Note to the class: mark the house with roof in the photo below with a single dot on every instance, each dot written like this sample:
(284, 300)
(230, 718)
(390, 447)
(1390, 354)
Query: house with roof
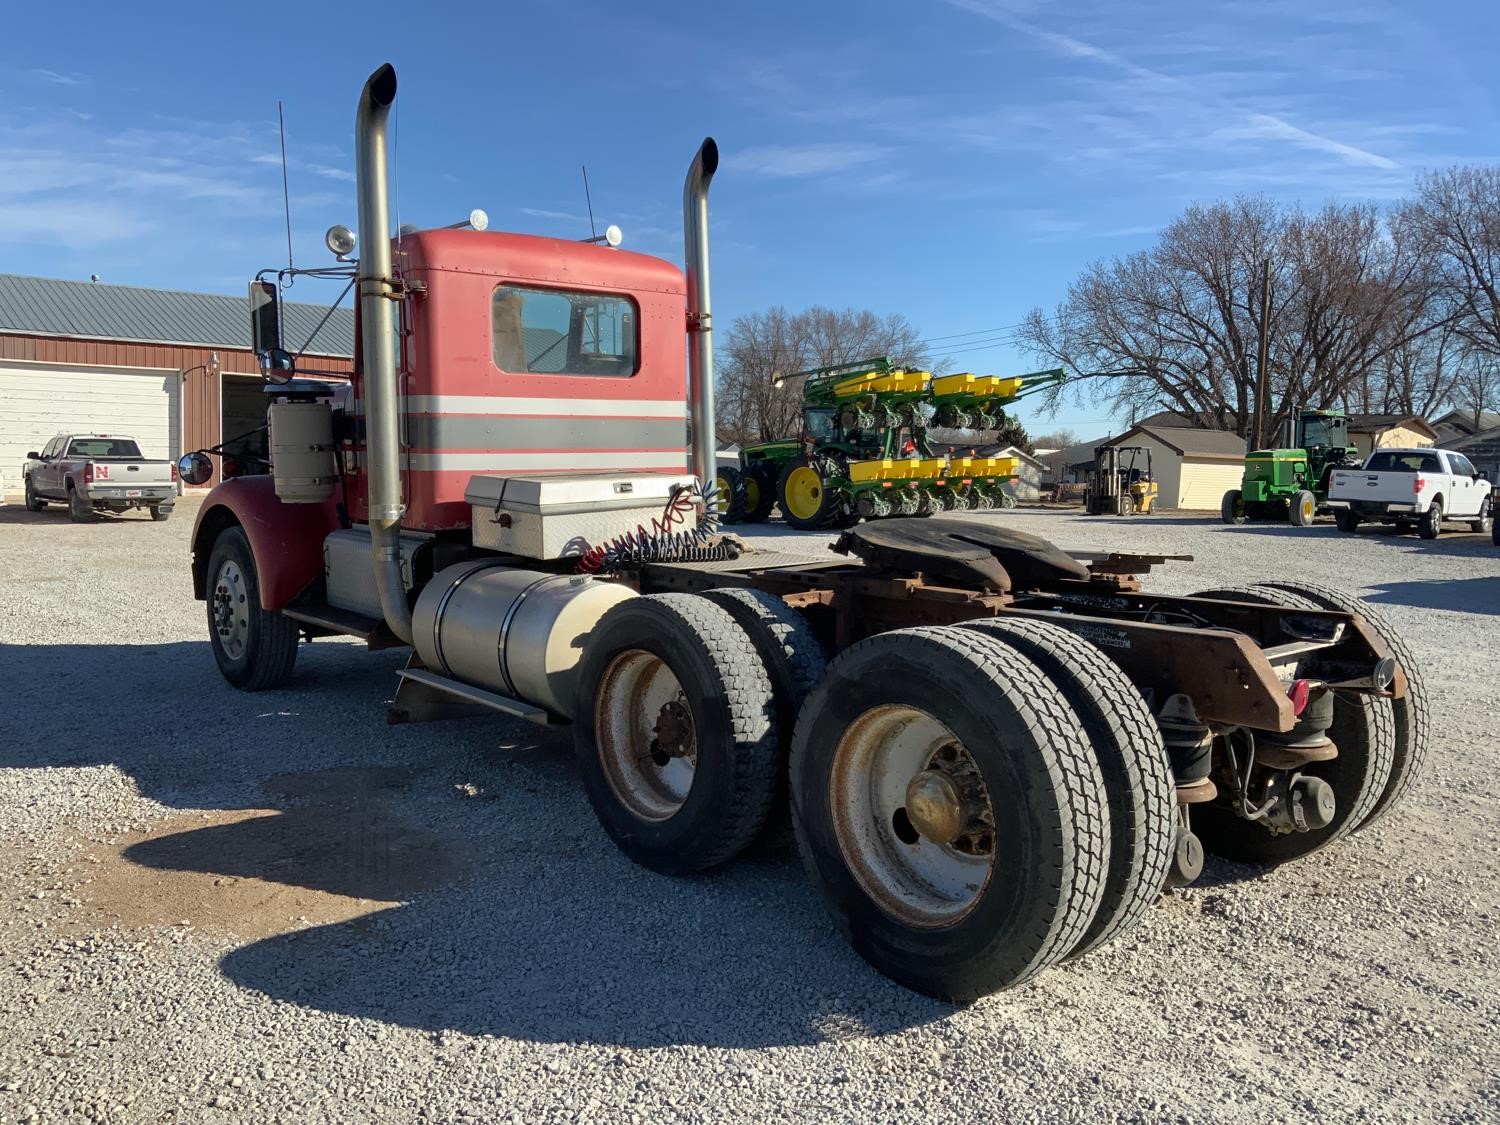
(1192, 467)
(1456, 425)
(173, 369)
(1370, 432)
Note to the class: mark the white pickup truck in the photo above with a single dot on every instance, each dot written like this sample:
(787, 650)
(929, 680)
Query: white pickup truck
(94, 472)
(1412, 488)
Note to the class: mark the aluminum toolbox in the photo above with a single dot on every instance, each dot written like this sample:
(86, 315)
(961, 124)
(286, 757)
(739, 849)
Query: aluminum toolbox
(551, 517)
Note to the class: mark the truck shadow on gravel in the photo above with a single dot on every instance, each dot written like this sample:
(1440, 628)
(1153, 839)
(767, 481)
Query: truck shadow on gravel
(436, 876)
(1461, 595)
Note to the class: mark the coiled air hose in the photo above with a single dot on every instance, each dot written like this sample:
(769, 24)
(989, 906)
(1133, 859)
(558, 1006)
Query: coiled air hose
(659, 542)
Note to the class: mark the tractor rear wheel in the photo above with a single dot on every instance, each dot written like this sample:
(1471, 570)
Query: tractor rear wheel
(1132, 761)
(675, 733)
(254, 648)
(806, 502)
(1231, 509)
(1304, 508)
(1412, 712)
(760, 491)
(949, 810)
(1363, 732)
(729, 494)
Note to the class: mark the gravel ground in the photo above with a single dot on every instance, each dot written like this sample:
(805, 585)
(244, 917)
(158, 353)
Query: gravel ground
(231, 907)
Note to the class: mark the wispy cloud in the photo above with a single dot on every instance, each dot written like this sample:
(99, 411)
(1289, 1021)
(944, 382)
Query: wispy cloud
(56, 77)
(1269, 125)
(800, 161)
(561, 216)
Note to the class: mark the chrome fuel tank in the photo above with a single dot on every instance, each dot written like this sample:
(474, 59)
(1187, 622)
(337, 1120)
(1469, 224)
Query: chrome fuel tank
(516, 632)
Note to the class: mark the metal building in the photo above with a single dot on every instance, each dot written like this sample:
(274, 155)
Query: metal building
(80, 356)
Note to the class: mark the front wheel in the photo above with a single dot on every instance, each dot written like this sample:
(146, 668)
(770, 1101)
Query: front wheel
(1304, 508)
(1231, 508)
(34, 503)
(254, 648)
(1430, 526)
(1485, 524)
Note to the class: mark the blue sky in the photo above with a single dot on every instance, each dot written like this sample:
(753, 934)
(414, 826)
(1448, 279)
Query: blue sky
(958, 161)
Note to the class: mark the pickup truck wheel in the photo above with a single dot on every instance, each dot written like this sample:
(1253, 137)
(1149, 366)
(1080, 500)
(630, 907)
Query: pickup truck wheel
(79, 508)
(160, 514)
(34, 503)
(1485, 524)
(1430, 526)
(254, 648)
(1304, 508)
(1348, 520)
(959, 839)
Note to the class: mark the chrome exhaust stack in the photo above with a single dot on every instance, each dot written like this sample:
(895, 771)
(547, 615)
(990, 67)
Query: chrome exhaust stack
(699, 316)
(377, 297)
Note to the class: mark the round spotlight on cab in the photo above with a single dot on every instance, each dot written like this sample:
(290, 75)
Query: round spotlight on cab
(479, 220)
(339, 240)
(613, 235)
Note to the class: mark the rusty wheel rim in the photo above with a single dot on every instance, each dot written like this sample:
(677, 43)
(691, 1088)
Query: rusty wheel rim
(646, 735)
(913, 818)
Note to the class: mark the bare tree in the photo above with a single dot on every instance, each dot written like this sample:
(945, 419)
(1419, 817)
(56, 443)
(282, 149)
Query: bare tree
(1059, 438)
(1176, 327)
(760, 346)
(1456, 213)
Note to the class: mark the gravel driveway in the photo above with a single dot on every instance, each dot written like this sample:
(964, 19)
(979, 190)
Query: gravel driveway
(222, 906)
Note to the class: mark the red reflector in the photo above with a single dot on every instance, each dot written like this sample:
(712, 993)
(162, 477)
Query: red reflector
(174, 471)
(1299, 692)
(230, 468)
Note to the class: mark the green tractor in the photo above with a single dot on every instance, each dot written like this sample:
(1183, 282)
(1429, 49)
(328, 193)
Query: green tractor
(1292, 483)
(863, 452)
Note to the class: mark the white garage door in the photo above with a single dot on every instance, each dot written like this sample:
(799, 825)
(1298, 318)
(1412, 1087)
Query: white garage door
(38, 401)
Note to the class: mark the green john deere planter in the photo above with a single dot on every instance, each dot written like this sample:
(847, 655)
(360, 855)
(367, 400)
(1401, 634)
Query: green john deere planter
(863, 452)
(1292, 483)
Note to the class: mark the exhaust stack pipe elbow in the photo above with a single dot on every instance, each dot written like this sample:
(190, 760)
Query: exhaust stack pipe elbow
(699, 312)
(377, 297)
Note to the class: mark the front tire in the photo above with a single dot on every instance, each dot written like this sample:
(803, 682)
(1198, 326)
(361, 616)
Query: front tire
(675, 733)
(959, 838)
(33, 502)
(1303, 509)
(255, 648)
(1231, 508)
(1430, 526)
(1485, 524)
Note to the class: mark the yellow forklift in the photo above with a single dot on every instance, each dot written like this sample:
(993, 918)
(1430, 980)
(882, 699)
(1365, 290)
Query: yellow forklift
(1121, 483)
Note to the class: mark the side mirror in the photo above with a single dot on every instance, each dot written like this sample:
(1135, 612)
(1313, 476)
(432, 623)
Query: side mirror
(265, 316)
(276, 365)
(33, 456)
(195, 468)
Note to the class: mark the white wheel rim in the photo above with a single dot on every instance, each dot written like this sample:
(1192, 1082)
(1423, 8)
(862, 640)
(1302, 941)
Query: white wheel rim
(231, 609)
(646, 734)
(924, 882)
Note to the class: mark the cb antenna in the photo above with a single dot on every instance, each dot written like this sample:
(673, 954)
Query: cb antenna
(286, 194)
(587, 198)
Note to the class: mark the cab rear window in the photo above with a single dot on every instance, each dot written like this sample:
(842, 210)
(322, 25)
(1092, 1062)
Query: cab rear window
(104, 447)
(564, 332)
(1404, 463)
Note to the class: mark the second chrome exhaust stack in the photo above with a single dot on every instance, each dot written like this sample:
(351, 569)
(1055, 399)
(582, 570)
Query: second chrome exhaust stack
(699, 314)
(377, 311)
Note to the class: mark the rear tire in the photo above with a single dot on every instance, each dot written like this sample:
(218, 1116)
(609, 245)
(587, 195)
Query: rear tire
(254, 648)
(675, 733)
(160, 514)
(1485, 524)
(1364, 732)
(939, 917)
(1231, 508)
(1132, 761)
(1413, 715)
(33, 502)
(760, 491)
(1430, 525)
(79, 509)
(1348, 520)
(1304, 508)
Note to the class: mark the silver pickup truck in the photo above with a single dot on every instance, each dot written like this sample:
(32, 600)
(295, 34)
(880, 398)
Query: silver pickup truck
(98, 472)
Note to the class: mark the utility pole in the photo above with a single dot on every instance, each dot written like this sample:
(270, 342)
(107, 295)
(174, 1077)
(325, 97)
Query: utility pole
(1265, 347)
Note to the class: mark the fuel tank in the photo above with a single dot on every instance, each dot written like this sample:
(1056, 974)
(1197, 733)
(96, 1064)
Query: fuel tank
(516, 632)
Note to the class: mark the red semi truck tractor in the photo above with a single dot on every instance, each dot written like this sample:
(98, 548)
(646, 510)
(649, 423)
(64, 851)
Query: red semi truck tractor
(994, 754)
